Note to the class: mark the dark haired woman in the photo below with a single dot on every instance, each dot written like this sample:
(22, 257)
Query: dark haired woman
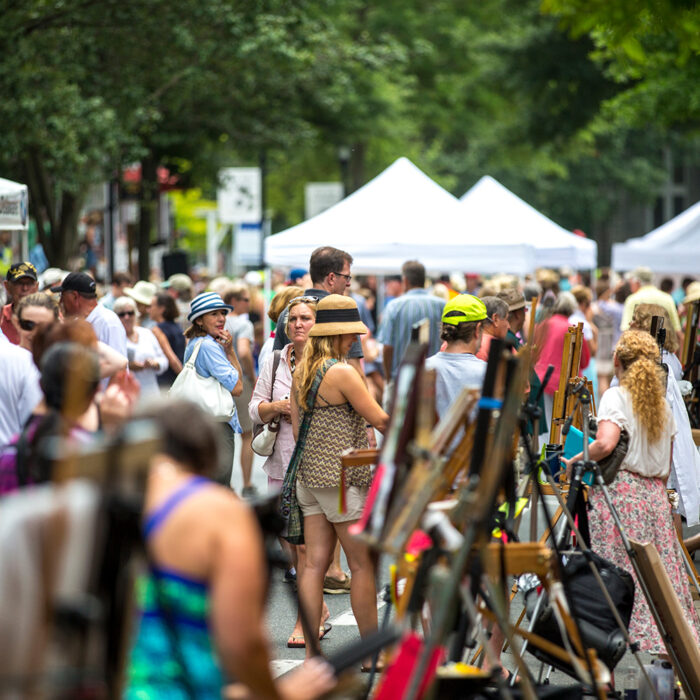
(457, 365)
(201, 605)
(32, 312)
(169, 336)
(215, 358)
(70, 376)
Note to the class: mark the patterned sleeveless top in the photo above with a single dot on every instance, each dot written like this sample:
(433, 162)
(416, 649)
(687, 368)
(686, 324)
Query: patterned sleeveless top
(333, 430)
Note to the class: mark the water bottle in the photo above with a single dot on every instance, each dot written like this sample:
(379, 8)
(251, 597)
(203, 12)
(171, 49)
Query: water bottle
(631, 684)
(661, 675)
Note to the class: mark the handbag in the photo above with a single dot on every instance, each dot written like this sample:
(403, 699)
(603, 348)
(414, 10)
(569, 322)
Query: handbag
(265, 434)
(590, 608)
(290, 509)
(207, 392)
(610, 465)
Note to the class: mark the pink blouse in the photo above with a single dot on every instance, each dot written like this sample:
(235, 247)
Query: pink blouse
(276, 464)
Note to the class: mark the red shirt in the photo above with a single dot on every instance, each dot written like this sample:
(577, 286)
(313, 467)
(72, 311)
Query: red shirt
(8, 328)
(550, 339)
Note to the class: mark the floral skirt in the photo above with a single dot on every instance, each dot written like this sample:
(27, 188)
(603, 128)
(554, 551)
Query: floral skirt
(645, 512)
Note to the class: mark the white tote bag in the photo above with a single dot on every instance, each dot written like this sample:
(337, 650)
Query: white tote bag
(208, 393)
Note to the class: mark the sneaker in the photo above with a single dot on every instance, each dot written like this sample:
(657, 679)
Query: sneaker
(290, 576)
(249, 492)
(335, 586)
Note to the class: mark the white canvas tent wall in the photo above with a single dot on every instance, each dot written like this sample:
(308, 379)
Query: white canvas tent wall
(14, 201)
(492, 210)
(400, 215)
(672, 248)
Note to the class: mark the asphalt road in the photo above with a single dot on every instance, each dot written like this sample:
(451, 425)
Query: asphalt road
(281, 615)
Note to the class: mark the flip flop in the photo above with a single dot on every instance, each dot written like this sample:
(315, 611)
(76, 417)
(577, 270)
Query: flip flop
(296, 641)
(323, 631)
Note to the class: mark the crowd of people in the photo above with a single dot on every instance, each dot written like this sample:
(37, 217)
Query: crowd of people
(315, 363)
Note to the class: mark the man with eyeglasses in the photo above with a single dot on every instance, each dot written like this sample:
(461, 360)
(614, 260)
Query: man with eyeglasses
(329, 269)
(21, 281)
(79, 300)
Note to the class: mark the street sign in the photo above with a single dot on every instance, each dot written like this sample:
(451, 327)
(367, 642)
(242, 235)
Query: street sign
(320, 196)
(239, 196)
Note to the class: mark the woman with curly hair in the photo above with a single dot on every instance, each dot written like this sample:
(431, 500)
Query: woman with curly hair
(638, 492)
(685, 465)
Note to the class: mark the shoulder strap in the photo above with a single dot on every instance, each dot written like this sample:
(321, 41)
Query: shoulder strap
(194, 354)
(275, 365)
(320, 374)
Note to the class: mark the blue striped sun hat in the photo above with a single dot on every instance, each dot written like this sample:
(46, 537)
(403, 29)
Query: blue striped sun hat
(204, 303)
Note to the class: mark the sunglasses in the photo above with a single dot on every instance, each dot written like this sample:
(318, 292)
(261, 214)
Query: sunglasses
(121, 314)
(303, 300)
(27, 325)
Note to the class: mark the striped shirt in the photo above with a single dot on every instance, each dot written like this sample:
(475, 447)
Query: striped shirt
(400, 316)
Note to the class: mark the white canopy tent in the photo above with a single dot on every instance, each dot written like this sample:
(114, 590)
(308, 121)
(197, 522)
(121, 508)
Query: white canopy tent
(14, 203)
(492, 210)
(400, 215)
(672, 248)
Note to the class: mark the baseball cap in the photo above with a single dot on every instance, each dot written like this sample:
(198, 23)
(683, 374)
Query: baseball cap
(179, 281)
(513, 298)
(463, 308)
(20, 270)
(77, 282)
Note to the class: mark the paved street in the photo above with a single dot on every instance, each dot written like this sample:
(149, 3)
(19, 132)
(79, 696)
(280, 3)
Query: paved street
(282, 613)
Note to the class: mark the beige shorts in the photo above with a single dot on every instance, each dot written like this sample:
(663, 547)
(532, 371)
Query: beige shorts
(324, 501)
(242, 402)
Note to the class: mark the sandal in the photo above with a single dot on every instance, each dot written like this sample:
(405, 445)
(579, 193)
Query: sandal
(297, 641)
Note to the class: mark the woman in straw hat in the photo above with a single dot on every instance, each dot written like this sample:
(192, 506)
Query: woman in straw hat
(330, 411)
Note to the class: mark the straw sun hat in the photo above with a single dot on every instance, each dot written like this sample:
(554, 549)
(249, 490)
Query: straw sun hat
(336, 315)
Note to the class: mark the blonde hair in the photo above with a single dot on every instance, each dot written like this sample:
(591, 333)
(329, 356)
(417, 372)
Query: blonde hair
(641, 320)
(280, 300)
(295, 302)
(638, 355)
(317, 350)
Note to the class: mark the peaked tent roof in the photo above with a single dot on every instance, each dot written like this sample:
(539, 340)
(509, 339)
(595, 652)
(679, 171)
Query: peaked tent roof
(493, 210)
(672, 248)
(400, 215)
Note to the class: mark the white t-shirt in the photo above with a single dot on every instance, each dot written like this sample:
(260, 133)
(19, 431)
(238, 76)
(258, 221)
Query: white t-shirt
(644, 458)
(108, 328)
(454, 372)
(19, 389)
(146, 348)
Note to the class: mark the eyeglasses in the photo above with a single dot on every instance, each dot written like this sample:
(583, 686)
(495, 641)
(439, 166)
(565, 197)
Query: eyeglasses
(27, 325)
(347, 277)
(303, 300)
(121, 314)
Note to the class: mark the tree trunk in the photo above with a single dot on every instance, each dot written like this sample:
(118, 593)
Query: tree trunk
(357, 166)
(61, 238)
(149, 195)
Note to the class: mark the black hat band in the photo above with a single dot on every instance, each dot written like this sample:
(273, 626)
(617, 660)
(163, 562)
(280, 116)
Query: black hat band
(337, 315)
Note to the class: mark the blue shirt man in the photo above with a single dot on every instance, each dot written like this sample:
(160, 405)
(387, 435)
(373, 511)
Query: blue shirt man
(405, 311)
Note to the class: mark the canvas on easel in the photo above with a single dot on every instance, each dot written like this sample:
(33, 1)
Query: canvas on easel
(663, 601)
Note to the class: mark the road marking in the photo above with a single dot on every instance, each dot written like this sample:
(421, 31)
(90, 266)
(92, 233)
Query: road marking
(281, 666)
(347, 619)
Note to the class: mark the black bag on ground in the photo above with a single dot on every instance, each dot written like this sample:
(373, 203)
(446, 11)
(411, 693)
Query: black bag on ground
(588, 606)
